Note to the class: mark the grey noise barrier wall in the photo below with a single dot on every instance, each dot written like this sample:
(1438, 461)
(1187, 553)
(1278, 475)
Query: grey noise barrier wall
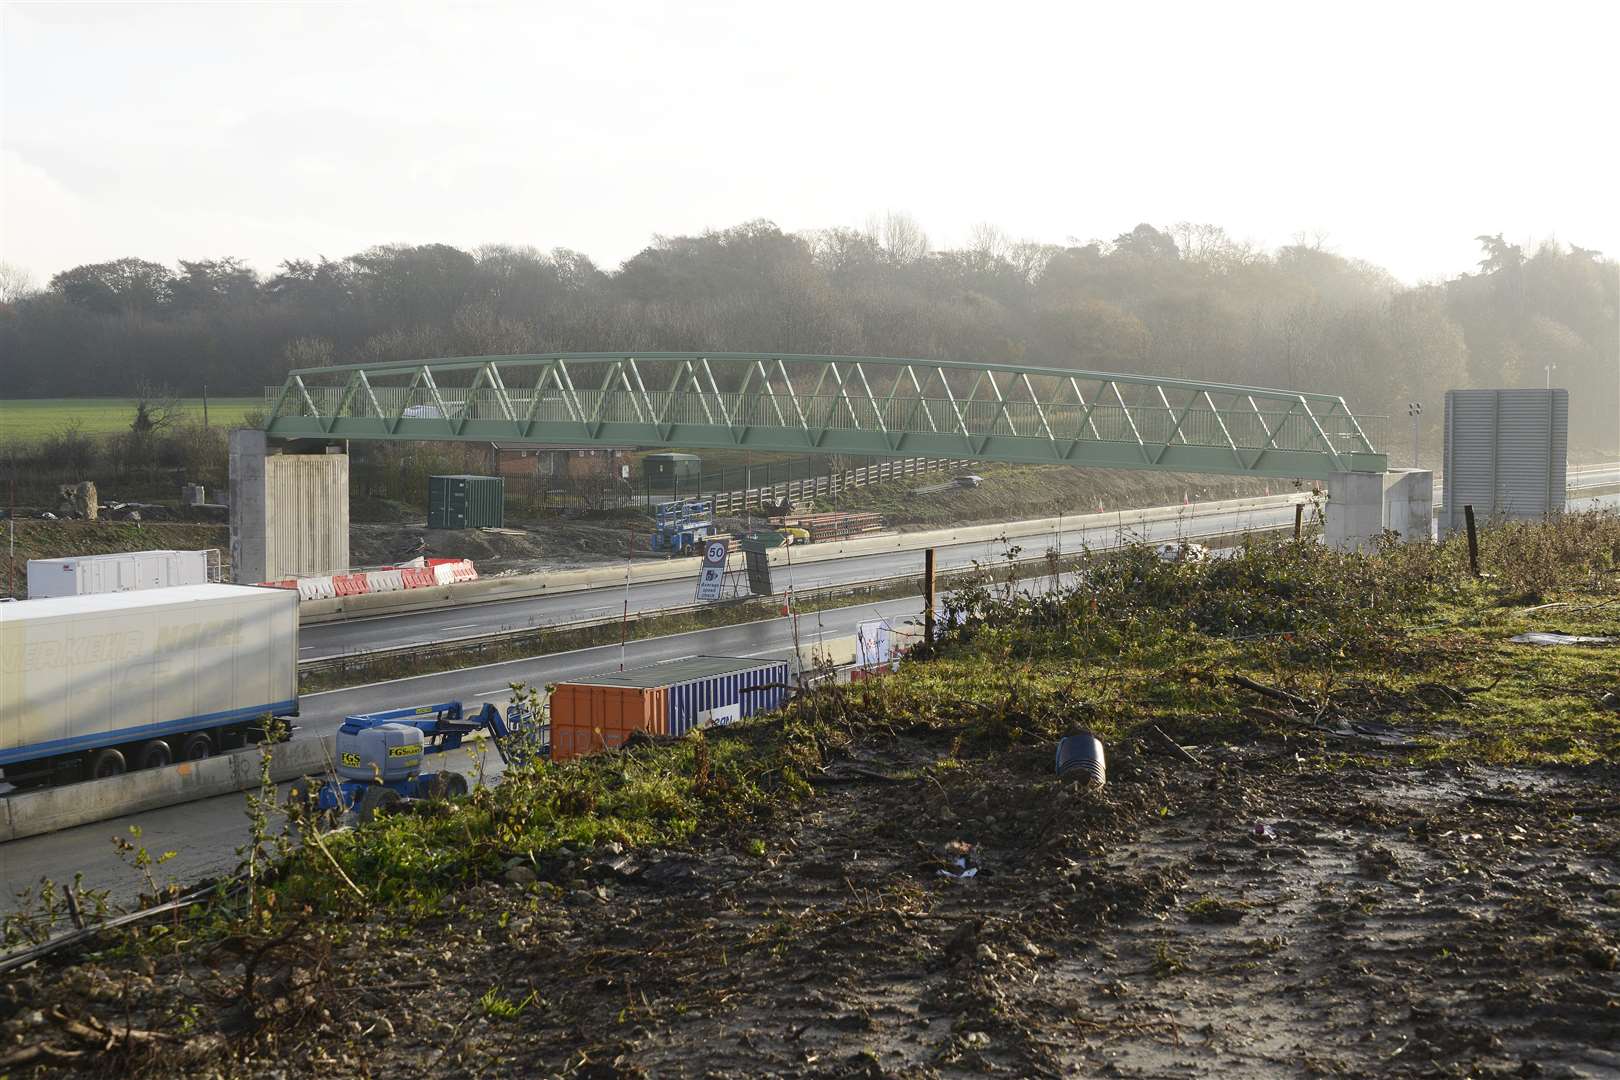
(34, 813)
(1506, 454)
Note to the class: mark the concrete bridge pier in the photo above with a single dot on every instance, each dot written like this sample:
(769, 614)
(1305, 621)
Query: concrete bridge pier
(1361, 506)
(289, 507)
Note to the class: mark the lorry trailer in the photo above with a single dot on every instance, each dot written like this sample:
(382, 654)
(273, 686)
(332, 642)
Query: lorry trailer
(92, 686)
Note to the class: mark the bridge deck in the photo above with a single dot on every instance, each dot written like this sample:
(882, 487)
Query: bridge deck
(831, 404)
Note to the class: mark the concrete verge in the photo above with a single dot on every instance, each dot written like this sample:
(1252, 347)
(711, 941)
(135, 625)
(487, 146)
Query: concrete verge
(520, 586)
(34, 813)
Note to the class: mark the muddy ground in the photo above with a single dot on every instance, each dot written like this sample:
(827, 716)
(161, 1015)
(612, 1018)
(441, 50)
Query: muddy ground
(1270, 910)
(384, 532)
(559, 545)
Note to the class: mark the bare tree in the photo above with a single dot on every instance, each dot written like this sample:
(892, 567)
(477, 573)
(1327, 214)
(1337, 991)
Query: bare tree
(156, 409)
(1312, 240)
(989, 242)
(1029, 258)
(899, 236)
(307, 352)
(15, 283)
(1210, 246)
(71, 448)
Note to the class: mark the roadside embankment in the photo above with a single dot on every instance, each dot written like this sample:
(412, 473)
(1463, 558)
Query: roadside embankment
(1305, 748)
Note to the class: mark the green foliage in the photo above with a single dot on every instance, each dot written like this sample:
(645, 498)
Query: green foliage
(497, 1006)
(660, 795)
(143, 862)
(1131, 600)
(1525, 561)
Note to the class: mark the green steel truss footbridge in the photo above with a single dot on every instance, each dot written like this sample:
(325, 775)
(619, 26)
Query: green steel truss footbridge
(831, 404)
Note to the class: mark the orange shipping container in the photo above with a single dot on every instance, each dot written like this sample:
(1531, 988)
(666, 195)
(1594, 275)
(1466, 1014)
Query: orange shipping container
(585, 719)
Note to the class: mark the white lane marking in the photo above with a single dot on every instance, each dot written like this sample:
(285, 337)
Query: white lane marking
(494, 693)
(306, 648)
(460, 626)
(901, 607)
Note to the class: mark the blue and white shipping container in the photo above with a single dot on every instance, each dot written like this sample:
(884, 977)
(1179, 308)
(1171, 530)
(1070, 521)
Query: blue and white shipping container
(742, 687)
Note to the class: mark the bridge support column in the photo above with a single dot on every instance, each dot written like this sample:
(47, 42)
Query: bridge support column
(289, 508)
(1409, 503)
(1361, 506)
(1355, 510)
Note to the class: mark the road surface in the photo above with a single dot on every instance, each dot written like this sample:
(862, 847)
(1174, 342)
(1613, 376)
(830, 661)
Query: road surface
(427, 627)
(468, 620)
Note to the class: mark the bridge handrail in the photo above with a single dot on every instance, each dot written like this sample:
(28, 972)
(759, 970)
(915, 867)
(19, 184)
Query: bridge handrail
(469, 363)
(794, 401)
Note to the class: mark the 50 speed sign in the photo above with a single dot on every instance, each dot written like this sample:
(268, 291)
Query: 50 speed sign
(713, 573)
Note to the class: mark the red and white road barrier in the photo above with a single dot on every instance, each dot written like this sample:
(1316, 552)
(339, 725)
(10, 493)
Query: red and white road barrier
(446, 571)
(416, 574)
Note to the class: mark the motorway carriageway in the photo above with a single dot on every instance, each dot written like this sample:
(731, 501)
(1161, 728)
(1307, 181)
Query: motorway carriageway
(205, 834)
(605, 603)
(468, 620)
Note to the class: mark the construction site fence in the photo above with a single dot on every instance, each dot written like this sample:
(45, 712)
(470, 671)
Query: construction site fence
(830, 484)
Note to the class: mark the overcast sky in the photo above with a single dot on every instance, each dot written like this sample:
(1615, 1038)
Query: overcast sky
(275, 131)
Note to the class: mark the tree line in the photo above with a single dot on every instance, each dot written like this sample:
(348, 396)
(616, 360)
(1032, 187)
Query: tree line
(1182, 301)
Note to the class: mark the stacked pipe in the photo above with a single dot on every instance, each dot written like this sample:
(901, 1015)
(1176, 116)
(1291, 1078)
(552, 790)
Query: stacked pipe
(837, 525)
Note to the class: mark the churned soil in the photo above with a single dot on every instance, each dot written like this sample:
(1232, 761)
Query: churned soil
(1264, 910)
(560, 545)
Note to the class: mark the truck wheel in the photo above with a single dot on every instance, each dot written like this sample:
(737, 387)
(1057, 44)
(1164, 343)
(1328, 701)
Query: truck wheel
(196, 746)
(153, 754)
(375, 800)
(105, 762)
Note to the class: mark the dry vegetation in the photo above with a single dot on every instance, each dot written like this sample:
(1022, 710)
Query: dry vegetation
(1350, 829)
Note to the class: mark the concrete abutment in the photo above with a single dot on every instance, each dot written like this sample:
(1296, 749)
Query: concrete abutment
(1361, 506)
(289, 508)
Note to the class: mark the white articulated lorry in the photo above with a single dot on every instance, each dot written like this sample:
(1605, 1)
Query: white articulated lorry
(92, 686)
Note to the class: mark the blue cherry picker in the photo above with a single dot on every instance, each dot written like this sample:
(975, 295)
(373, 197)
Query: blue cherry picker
(382, 756)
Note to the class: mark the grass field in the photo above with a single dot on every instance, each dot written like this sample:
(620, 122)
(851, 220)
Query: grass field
(34, 418)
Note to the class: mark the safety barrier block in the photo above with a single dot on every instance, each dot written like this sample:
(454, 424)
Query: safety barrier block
(385, 580)
(316, 588)
(418, 578)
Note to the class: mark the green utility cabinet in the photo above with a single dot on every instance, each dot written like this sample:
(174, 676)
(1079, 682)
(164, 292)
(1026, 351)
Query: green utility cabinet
(466, 502)
(673, 472)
